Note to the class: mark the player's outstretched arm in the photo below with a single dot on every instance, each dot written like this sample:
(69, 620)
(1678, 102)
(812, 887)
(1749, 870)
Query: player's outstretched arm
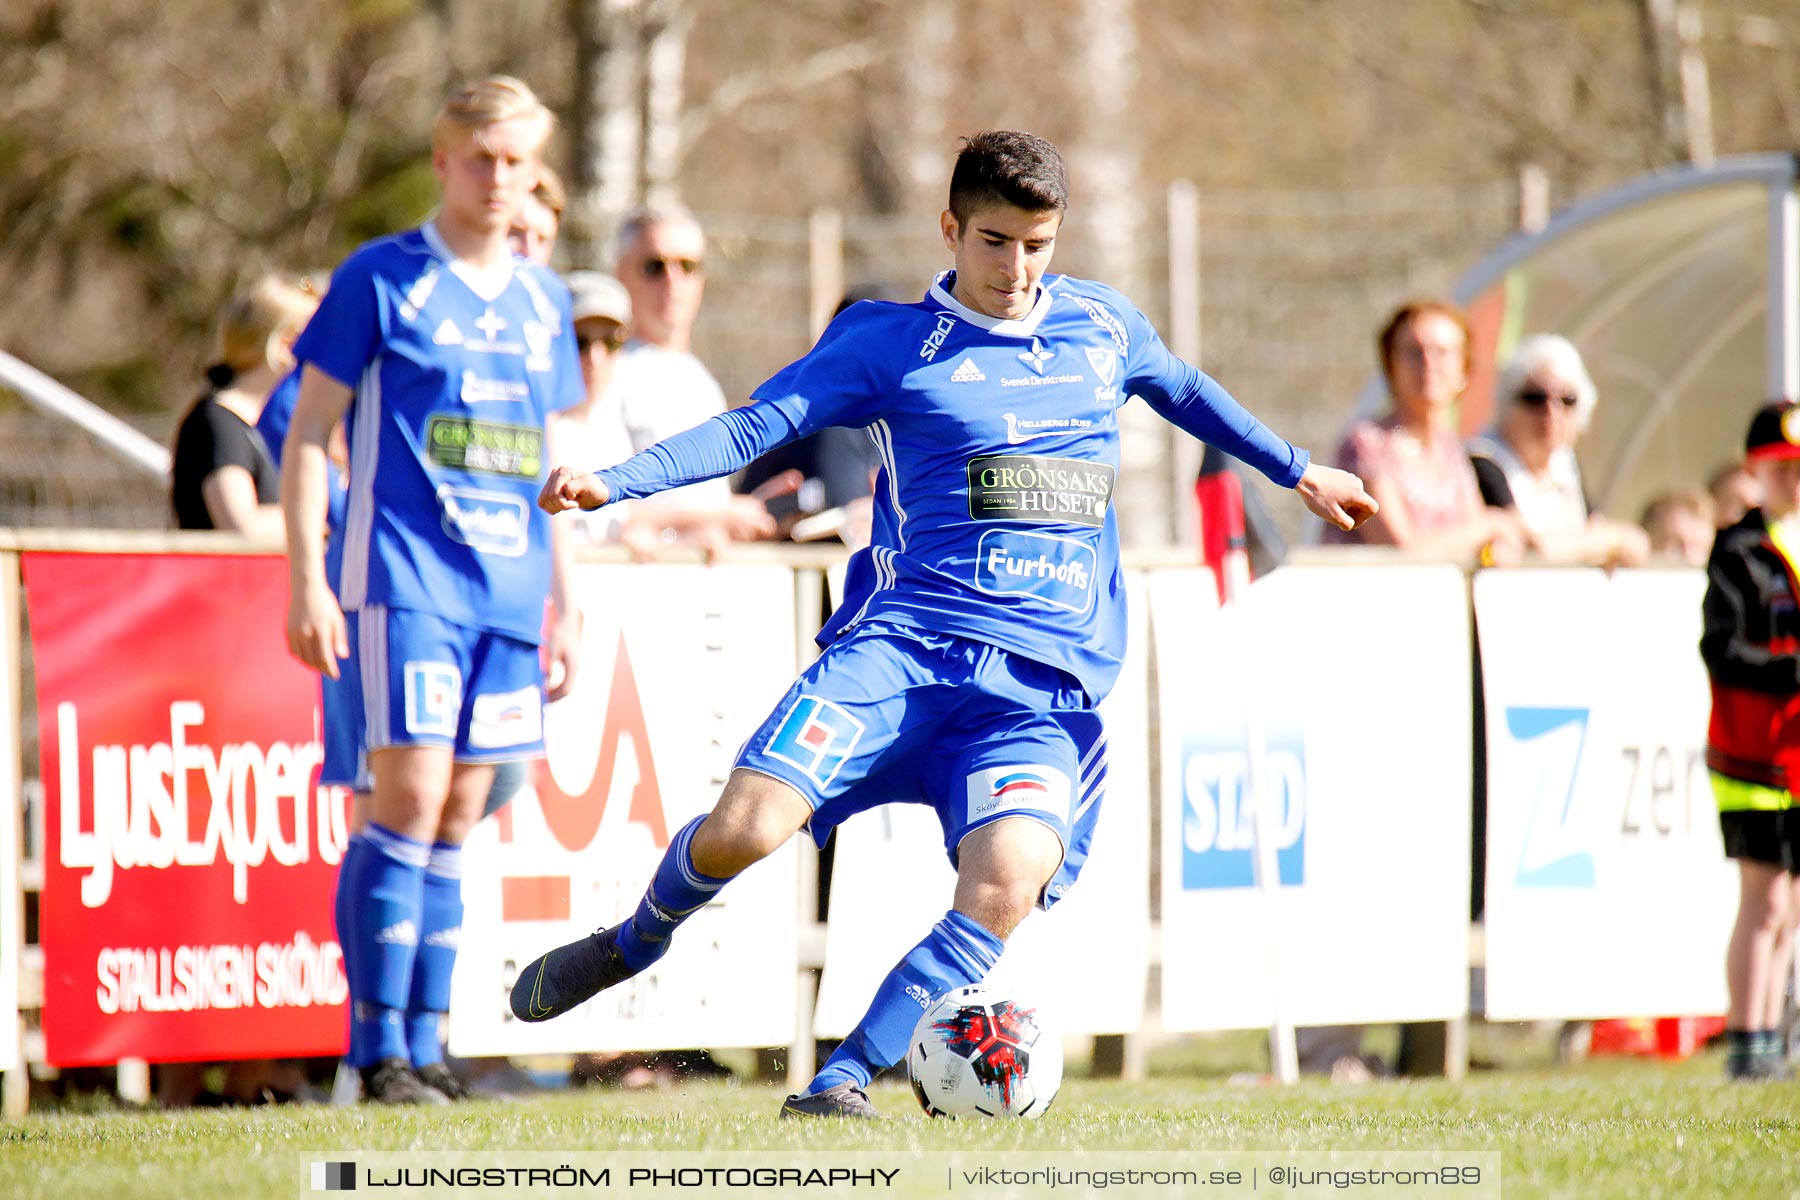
(569, 488)
(1336, 496)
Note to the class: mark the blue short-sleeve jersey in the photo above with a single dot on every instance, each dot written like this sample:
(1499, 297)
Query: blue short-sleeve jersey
(999, 449)
(272, 426)
(446, 430)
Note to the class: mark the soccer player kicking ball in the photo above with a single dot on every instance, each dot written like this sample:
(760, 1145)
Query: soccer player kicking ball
(984, 623)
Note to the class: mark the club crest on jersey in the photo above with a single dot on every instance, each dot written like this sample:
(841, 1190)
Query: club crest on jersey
(1104, 362)
(967, 372)
(816, 736)
(1032, 786)
(1036, 357)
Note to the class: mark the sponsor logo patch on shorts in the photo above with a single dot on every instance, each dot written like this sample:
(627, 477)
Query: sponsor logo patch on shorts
(433, 698)
(816, 736)
(1027, 786)
(501, 719)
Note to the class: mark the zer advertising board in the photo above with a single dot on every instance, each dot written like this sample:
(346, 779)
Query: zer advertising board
(1357, 683)
(1608, 893)
(678, 665)
(187, 904)
(1083, 963)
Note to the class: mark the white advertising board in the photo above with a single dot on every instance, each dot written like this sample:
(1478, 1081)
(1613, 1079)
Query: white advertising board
(679, 665)
(1359, 680)
(1083, 963)
(1608, 893)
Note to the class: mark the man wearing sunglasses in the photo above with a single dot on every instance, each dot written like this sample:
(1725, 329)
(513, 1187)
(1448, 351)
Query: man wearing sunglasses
(660, 388)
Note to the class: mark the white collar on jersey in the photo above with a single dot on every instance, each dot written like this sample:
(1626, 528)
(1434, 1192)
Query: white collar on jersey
(487, 284)
(1019, 327)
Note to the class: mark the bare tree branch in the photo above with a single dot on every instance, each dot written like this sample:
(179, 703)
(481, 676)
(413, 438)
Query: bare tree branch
(750, 86)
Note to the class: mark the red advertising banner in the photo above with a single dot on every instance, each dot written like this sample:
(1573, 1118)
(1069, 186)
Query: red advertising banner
(190, 858)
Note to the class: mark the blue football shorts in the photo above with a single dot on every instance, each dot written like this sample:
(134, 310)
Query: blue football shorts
(893, 713)
(341, 714)
(425, 681)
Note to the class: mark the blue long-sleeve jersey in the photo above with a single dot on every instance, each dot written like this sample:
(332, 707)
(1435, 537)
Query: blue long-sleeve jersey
(999, 450)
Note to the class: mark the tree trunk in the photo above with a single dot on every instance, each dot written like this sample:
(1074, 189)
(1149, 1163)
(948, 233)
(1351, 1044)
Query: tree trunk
(606, 124)
(665, 34)
(1104, 162)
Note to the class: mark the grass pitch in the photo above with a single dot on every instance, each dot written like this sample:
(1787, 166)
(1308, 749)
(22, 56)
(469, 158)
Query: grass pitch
(1615, 1128)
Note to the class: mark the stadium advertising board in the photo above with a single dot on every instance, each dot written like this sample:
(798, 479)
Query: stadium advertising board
(10, 811)
(1083, 962)
(1608, 893)
(678, 665)
(190, 859)
(1358, 682)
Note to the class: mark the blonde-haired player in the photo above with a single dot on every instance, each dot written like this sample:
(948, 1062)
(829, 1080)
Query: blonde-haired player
(444, 354)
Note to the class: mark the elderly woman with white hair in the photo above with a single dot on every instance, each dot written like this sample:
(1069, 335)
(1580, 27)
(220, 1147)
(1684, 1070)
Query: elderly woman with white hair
(1544, 401)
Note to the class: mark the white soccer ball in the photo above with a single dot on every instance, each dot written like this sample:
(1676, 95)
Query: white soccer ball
(979, 1052)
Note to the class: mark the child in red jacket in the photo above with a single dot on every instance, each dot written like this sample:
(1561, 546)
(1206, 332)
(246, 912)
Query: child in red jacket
(1751, 646)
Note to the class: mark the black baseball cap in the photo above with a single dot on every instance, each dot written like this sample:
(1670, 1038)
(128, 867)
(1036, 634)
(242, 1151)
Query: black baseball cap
(1774, 432)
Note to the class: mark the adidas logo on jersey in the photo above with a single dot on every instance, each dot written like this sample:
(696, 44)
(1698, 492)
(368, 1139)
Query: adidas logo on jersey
(448, 334)
(967, 372)
(400, 933)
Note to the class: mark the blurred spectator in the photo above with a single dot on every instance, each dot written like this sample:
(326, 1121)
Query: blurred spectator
(660, 387)
(534, 230)
(592, 434)
(1752, 748)
(1526, 463)
(1411, 460)
(223, 476)
(1680, 527)
(837, 468)
(1735, 492)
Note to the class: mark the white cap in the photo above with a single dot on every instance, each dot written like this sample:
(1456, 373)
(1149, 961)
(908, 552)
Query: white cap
(597, 294)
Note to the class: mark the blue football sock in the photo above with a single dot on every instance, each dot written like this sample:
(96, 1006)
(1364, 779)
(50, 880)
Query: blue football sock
(956, 953)
(440, 933)
(340, 912)
(676, 891)
(382, 884)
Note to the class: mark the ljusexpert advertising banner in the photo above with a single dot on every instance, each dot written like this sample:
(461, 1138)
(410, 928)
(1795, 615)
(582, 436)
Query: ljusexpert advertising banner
(678, 665)
(187, 904)
(1353, 686)
(1608, 893)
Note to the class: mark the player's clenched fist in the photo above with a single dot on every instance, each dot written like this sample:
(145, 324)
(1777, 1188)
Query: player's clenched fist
(568, 488)
(1336, 496)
